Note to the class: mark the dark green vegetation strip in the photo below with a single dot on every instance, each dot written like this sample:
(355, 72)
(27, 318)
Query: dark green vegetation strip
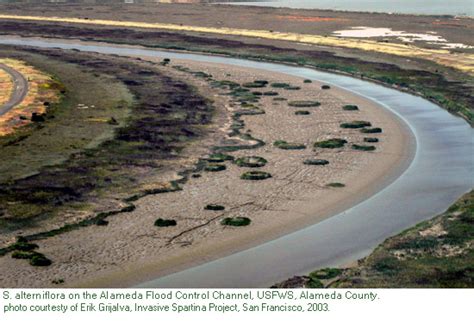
(288, 145)
(304, 104)
(455, 95)
(167, 114)
(214, 207)
(236, 222)
(350, 107)
(371, 130)
(316, 162)
(355, 124)
(165, 223)
(331, 143)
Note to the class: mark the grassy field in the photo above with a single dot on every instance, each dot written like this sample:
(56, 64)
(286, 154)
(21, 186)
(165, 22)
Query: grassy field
(438, 253)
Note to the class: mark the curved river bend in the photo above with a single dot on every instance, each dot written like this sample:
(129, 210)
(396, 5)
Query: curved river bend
(441, 171)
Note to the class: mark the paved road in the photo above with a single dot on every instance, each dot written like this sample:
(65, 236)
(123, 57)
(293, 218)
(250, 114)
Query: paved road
(20, 89)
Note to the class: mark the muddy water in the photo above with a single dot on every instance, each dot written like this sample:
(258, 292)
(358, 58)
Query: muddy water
(441, 171)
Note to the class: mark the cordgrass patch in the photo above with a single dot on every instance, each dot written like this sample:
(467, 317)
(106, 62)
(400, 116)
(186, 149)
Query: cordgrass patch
(336, 185)
(280, 99)
(331, 143)
(371, 130)
(371, 139)
(325, 87)
(304, 104)
(255, 176)
(307, 81)
(253, 85)
(356, 124)
(350, 107)
(272, 93)
(302, 112)
(251, 161)
(215, 168)
(165, 223)
(280, 85)
(236, 222)
(214, 207)
(316, 162)
(40, 260)
(281, 144)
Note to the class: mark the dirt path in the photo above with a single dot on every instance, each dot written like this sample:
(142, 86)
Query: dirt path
(20, 89)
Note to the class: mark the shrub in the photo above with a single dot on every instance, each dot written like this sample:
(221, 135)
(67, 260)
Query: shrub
(37, 117)
(165, 223)
(257, 93)
(288, 146)
(265, 82)
(320, 162)
(369, 139)
(325, 87)
(304, 104)
(302, 112)
(280, 99)
(214, 207)
(251, 161)
(307, 81)
(326, 273)
(350, 107)
(214, 168)
(355, 124)
(255, 175)
(371, 130)
(363, 147)
(196, 175)
(219, 158)
(331, 143)
(236, 222)
(40, 260)
(335, 185)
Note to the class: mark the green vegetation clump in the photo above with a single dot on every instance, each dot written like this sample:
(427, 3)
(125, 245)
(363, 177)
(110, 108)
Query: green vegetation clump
(255, 176)
(313, 282)
(325, 87)
(280, 85)
(253, 85)
(272, 93)
(293, 88)
(288, 146)
(336, 185)
(219, 158)
(236, 222)
(356, 124)
(350, 107)
(280, 99)
(24, 246)
(363, 147)
(435, 253)
(251, 161)
(302, 112)
(326, 273)
(371, 130)
(317, 162)
(331, 143)
(165, 223)
(215, 168)
(23, 254)
(371, 139)
(304, 104)
(307, 81)
(214, 207)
